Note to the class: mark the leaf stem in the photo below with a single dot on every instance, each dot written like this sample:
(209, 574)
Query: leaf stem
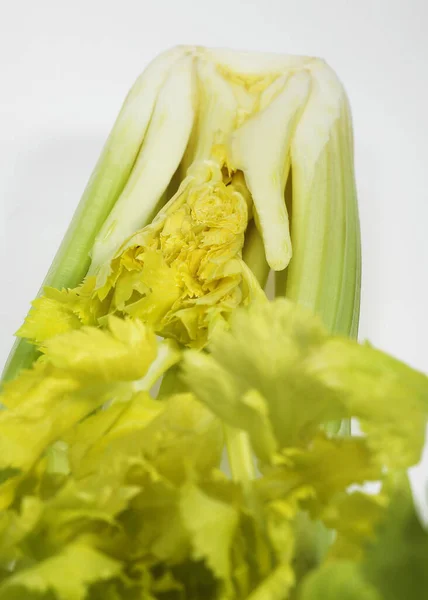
(253, 254)
(241, 463)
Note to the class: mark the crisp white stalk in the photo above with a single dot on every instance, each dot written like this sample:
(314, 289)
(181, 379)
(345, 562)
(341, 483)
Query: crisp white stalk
(260, 148)
(216, 117)
(159, 157)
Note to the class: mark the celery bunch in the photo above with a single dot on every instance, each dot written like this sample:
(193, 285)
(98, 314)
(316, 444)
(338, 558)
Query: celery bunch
(168, 432)
(212, 151)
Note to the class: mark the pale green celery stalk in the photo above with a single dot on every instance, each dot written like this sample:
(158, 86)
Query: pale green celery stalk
(158, 160)
(254, 255)
(239, 451)
(72, 260)
(167, 357)
(57, 458)
(260, 148)
(324, 273)
(242, 464)
(305, 133)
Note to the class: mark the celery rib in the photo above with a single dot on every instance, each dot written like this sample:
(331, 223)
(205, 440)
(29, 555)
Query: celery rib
(72, 260)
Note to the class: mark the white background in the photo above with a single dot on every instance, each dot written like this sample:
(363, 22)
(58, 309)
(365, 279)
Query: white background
(65, 68)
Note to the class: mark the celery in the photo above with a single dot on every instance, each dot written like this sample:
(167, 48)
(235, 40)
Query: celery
(161, 353)
(111, 173)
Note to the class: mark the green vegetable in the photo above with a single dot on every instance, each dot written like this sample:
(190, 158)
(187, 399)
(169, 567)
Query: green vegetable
(169, 433)
(189, 193)
(130, 493)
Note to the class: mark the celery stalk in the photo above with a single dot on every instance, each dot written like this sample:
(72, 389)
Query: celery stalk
(253, 254)
(72, 260)
(325, 272)
(158, 159)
